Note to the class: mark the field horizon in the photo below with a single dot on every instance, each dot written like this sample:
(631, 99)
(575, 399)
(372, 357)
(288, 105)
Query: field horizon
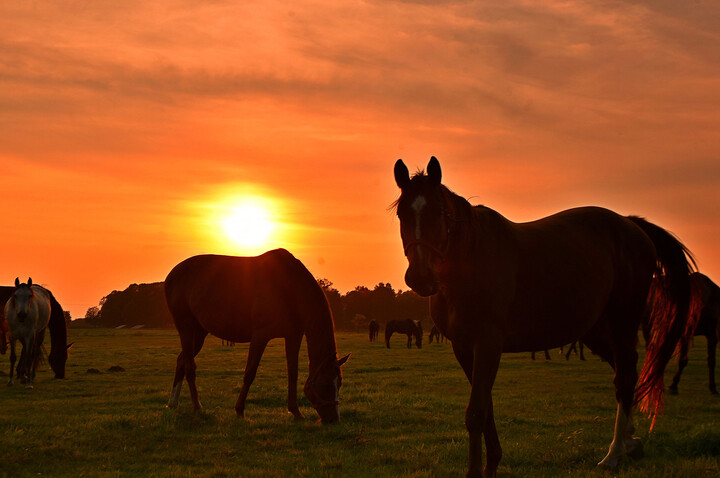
(402, 413)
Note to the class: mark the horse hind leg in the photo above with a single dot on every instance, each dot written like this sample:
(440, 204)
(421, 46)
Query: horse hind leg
(625, 359)
(192, 338)
(292, 350)
(682, 363)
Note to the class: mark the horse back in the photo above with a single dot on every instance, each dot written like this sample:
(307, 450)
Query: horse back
(236, 297)
(570, 269)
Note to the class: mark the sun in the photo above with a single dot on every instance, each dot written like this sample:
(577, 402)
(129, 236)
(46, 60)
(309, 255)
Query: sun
(248, 224)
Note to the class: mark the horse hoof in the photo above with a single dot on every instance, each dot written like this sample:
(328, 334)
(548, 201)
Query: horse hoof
(29, 386)
(713, 392)
(673, 390)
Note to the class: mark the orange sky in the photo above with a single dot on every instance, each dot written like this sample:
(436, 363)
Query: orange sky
(122, 126)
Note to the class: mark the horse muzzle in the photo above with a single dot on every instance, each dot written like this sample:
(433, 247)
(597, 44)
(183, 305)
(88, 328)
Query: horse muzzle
(422, 280)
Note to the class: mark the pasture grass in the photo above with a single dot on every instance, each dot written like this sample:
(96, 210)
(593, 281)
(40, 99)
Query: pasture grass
(402, 414)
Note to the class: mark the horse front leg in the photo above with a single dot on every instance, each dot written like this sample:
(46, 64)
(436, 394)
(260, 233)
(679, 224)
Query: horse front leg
(486, 360)
(13, 357)
(257, 347)
(292, 350)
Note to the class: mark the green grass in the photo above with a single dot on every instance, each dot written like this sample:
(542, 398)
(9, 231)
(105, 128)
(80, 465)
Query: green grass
(402, 415)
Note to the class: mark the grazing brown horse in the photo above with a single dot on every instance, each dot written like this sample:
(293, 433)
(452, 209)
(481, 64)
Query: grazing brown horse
(374, 330)
(57, 328)
(435, 333)
(574, 348)
(703, 322)
(409, 327)
(256, 299)
(498, 286)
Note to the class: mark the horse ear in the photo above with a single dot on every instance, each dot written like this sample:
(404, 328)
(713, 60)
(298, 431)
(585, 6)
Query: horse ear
(17, 282)
(434, 172)
(29, 281)
(69, 345)
(342, 361)
(402, 175)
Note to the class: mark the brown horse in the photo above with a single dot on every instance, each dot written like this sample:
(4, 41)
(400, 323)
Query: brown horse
(373, 330)
(704, 322)
(409, 327)
(499, 286)
(256, 299)
(435, 333)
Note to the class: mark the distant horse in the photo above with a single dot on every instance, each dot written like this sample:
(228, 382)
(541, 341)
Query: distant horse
(57, 327)
(435, 333)
(229, 343)
(374, 330)
(27, 313)
(499, 286)
(574, 348)
(256, 299)
(704, 322)
(547, 355)
(409, 327)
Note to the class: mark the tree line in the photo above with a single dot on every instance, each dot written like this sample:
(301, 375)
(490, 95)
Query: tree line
(144, 305)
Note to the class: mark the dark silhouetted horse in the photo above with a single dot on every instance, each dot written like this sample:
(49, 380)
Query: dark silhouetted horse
(409, 327)
(435, 333)
(704, 322)
(373, 330)
(57, 328)
(256, 299)
(574, 348)
(499, 286)
(547, 355)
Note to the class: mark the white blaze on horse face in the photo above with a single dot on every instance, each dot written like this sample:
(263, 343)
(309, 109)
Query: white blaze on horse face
(417, 206)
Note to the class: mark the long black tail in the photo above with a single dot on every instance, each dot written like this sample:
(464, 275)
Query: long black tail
(670, 301)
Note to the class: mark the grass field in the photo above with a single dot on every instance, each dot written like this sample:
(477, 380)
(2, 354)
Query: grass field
(401, 411)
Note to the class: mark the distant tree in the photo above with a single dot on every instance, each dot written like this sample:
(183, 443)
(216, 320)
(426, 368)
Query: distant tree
(139, 304)
(383, 303)
(360, 322)
(335, 301)
(92, 313)
(68, 317)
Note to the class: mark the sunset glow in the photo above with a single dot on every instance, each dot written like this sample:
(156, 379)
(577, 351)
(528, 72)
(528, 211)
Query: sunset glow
(248, 224)
(136, 135)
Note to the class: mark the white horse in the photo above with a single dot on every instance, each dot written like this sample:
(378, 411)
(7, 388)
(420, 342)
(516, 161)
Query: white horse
(27, 313)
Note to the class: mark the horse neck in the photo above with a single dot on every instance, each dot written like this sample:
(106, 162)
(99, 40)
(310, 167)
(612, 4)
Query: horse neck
(476, 232)
(319, 333)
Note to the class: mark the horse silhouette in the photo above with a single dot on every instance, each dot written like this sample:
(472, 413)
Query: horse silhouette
(498, 286)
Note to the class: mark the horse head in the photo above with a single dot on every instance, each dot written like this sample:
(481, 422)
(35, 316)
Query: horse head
(322, 388)
(424, 225)
(21, 300)
(418, 333)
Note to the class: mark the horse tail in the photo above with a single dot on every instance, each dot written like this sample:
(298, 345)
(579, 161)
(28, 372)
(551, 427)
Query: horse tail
(670, 301)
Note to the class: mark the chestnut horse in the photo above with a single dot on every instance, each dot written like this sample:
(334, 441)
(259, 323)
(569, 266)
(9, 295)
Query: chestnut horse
(256, 299)
(704, 322)
(498, 286)
(57, 328)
